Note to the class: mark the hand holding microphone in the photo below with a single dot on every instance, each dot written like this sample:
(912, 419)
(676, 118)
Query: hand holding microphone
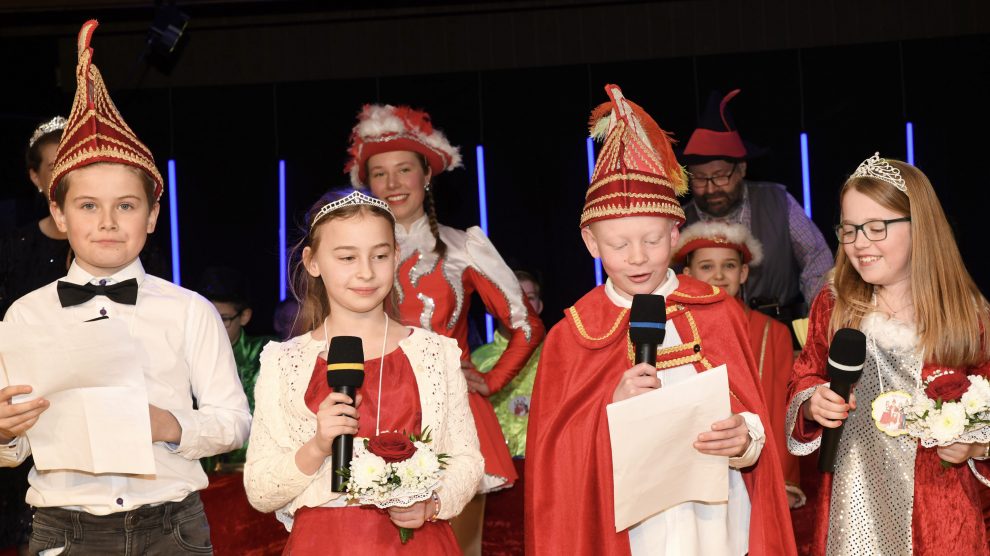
(846, 357)
(647, 325)
(345, 374)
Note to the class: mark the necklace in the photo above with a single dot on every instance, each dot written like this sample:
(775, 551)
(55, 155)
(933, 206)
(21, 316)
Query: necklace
(879, 297)
(381, 370)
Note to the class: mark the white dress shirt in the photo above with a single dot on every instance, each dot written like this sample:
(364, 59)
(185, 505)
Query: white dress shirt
(189, 370)
(696, 527)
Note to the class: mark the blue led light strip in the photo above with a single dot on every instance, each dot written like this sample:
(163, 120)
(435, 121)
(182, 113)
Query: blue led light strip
(483, 208)
(283, 268)
(173, 221)
(805, 175)
(909, 131)
(590, 147)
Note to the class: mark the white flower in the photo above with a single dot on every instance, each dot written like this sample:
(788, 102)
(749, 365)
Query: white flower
(920, 403)
(980, 387)
(368, 471)
(948, 423)
(974, 402)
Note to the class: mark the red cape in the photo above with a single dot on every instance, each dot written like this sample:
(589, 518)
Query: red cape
(569, 503)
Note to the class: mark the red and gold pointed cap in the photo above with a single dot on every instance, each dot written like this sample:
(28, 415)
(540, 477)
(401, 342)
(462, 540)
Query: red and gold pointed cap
(96, 132)
(636, 173)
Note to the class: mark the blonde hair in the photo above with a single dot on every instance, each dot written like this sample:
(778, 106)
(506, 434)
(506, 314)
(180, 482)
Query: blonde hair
(309, 291)
(951, 315)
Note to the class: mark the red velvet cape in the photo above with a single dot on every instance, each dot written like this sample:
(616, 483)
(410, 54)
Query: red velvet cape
(569, 503)
(948, 515)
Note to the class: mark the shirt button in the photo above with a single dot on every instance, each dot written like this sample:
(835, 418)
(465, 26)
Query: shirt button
(120, 501)
(103, 312)
(103, 281)
(697, 348)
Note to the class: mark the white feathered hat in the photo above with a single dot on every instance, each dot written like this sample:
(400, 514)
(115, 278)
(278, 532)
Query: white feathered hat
(719, 234)
(385, 128)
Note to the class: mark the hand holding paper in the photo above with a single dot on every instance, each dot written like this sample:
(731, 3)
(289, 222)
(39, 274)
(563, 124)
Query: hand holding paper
(17, 418)
(89, 376)
(728, 437)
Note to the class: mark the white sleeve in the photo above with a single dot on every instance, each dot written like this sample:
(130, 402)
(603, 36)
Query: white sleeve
(18, 450)
(465, 467)
(271, 477)
(221, 421)
(757, 437)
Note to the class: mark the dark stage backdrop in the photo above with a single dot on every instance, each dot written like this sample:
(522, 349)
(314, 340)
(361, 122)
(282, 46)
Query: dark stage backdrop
(226, 141)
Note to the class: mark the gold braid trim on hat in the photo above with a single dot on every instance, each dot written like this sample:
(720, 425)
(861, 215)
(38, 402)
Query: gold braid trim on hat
(604, 198)
(634, 210)
(109, 152)
(626, 176)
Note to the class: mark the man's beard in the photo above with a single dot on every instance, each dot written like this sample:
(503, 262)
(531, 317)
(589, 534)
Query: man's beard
(719, 204)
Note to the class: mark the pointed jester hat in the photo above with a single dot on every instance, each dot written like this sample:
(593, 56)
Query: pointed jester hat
(96, 132)
(636, 173)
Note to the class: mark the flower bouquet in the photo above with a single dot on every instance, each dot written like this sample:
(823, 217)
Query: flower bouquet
(949, 407)
(394, 469)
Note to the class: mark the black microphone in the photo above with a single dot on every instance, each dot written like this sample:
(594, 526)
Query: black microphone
(345, 374)
(846, 357)
(647, 325)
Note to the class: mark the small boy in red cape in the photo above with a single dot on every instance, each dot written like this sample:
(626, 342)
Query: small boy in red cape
(630, 220)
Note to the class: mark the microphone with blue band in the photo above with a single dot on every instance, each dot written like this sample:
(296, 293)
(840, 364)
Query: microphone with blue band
(647, 326)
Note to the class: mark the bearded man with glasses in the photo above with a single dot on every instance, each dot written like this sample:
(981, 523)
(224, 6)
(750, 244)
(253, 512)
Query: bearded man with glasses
(796, 255)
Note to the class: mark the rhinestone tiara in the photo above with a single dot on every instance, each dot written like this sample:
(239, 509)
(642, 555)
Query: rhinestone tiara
(879, 168)
(354, 199)
(55, 124)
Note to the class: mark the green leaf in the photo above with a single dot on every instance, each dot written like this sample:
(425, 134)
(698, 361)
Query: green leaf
(405, 534)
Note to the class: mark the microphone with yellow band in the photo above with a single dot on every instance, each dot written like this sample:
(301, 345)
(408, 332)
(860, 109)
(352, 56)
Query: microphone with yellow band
(345, 374)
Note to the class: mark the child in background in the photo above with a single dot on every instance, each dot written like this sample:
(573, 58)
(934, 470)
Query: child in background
(721, 254)
(104, 195)
(227, 290)
(511, 403)
(413, 381)
(630, 220)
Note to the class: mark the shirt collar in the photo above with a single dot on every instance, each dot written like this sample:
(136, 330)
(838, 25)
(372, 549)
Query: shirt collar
(77, 275)
(420, 226)
(666, 288)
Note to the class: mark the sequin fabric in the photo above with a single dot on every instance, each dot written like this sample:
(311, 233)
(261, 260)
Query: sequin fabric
(873, 485)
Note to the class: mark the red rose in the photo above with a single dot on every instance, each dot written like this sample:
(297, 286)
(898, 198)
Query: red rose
(949, 387)
(392, 447)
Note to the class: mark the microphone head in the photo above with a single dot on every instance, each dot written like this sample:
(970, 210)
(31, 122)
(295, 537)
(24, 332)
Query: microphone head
(647, 319)
(345, 362)
(846, 355)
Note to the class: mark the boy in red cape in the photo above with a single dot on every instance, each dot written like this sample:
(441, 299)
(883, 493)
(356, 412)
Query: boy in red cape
(630, 220)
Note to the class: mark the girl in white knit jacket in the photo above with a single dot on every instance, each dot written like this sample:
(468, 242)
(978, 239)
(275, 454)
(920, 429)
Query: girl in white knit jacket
(412, 381)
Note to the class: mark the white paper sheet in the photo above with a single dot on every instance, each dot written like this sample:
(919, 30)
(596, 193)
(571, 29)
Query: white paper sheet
(90, 372)
(654, 463)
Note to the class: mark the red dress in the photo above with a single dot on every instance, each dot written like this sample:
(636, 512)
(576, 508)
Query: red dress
(365, 529)
(947, 516)
(435, 294)
(569, 498)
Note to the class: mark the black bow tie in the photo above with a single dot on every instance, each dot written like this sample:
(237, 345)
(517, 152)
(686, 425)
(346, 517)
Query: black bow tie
(70, 294)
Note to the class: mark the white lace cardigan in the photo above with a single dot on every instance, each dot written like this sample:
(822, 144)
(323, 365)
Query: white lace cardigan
(283, 423)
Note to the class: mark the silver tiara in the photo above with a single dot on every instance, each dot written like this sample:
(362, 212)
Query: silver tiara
(55, 124)
(354, 199)
(879, 168)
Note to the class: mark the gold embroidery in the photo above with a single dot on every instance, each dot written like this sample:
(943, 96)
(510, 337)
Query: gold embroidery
(644, 208)
(715, 291)
(763, 347)
(645, 178)
(584, 333)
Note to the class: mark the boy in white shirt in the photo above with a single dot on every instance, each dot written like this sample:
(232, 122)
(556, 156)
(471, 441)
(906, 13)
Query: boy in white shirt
(104, 194)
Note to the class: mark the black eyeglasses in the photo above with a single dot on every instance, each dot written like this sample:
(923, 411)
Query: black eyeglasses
(700, 183)
(873, 230)
(227, 320)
